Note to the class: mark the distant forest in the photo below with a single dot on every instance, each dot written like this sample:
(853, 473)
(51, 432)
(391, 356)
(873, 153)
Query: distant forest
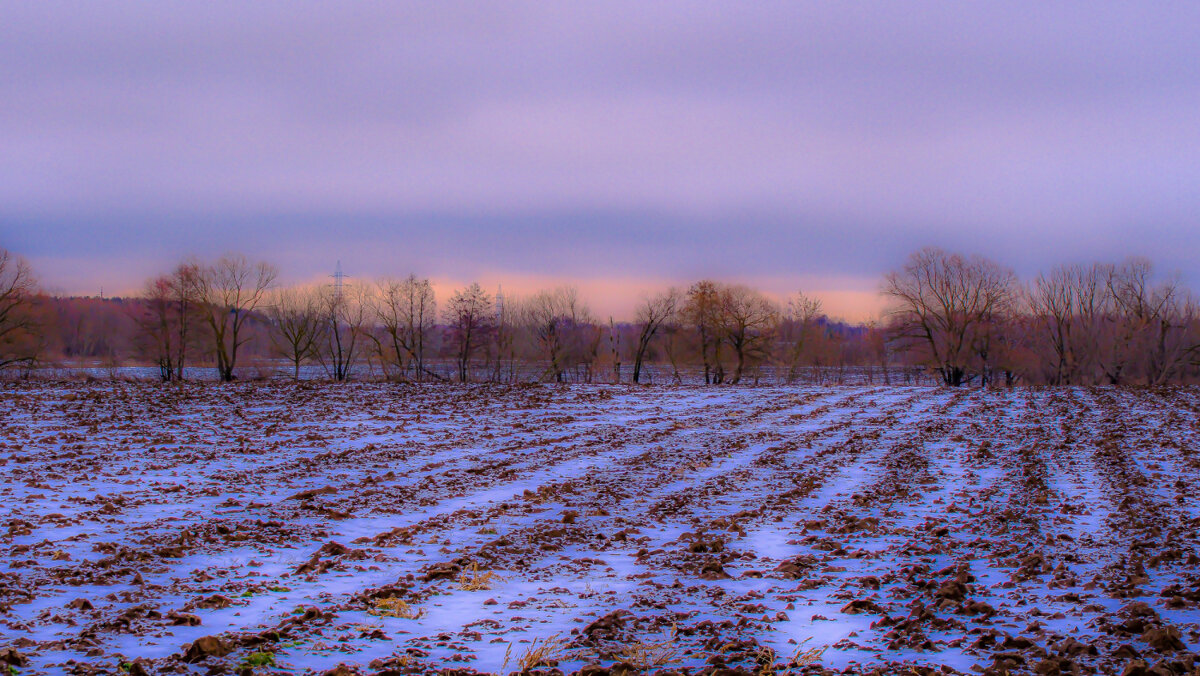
(952, 319)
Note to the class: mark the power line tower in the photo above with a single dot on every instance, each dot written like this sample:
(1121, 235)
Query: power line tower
(339, 280)
(499, 304)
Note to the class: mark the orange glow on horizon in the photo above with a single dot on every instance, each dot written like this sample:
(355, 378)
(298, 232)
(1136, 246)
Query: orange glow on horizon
(850, 299)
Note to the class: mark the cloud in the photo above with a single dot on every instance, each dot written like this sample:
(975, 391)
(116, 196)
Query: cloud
(614, 141)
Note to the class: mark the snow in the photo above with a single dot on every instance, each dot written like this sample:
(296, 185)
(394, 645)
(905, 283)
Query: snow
(584, 500)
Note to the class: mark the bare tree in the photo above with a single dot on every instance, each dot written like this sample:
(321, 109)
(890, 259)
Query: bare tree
(748, 321)
(1067, 307)
(297, 325)
(166, 321)
(1052, 301)
(703, 311)
(996, 334)
(562, 328)
(504, 343)
(878, 349)
(159, 325)
(673, 345)
(651, 315)
(1152, 325)
(589, 336)
(799, 326)
(406, 311)
(469, 315)
(20, 342)
(943, 303)
(231, 290)
(343, 312)
(614, 349)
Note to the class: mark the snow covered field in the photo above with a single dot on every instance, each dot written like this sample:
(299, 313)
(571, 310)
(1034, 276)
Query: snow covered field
(404, 530)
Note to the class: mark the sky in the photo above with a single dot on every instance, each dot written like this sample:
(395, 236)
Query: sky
(622, 147)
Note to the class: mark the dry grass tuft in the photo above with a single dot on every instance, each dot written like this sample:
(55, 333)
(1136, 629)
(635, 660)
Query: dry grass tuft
(474, 580)
(395, 607)
(804, 656)
(546, 652)
(649, 654)
(766, 658)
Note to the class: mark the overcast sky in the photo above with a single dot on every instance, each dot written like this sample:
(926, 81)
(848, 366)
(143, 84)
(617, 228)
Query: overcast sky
(618, 145)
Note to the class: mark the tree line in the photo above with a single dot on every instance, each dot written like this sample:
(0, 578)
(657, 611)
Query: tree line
(959, 320)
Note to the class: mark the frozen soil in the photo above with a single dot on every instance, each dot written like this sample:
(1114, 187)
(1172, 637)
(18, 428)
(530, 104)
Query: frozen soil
(371, 528)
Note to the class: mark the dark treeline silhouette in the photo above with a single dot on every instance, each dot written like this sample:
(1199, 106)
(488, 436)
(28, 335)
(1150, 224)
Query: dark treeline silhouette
(952, 319)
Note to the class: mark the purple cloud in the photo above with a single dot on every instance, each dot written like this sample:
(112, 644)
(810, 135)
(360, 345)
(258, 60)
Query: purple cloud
(605, 140)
